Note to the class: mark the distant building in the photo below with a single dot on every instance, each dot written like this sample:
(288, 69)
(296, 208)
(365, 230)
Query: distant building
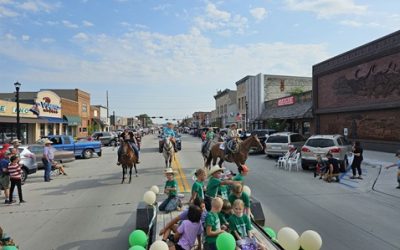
(226, 107)
(100, 118)
(357, 94)
(201, 119)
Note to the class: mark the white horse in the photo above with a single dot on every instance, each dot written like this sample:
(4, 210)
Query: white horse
(168, 151)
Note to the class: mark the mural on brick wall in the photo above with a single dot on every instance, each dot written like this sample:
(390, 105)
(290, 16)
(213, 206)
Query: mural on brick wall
(375, 83)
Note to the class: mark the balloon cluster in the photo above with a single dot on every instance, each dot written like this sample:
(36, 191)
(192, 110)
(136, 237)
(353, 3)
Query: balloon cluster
(289, 239)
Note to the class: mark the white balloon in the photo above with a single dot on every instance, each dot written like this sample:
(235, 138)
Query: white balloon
(149, 197)
(155, 189)
(159, 245)
(247, 190)
(288, 239)
(310, 240)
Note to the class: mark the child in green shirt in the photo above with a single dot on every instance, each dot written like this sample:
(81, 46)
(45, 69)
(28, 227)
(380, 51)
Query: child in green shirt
(243, 171)
(237, 193)
(214, 184)
(240, 224)
(224, 215)
(213, 224)
(171, 190)
(198, 185)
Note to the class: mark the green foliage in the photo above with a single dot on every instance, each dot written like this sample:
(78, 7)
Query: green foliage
(296, 91)
(276, 124)
(144, 118)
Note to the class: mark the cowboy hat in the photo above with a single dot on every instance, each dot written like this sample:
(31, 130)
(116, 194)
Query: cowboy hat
(169, 171)
(214, 169)
(15, 141)
(47, 141)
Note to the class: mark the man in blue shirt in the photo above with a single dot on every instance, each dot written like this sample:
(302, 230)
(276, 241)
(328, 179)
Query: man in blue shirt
(169, 132)
(4, 177)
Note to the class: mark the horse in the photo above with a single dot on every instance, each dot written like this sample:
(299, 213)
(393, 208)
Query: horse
(239, 157)
(168, 151)
(128, 159)
(205, 152)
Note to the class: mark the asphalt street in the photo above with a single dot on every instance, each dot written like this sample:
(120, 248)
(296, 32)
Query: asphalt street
(90, 209)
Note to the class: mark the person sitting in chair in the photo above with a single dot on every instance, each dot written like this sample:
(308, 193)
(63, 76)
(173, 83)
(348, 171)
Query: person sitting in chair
(233, 136)
(169, 132)
(128, 136)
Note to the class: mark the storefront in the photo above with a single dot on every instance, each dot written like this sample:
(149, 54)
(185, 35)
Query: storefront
(8, 121)
(292, 114)
(357, 94)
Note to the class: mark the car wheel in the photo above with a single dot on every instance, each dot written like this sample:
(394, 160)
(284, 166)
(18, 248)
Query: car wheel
(88, 153)
(304, 166)
(24, 175)
(113, 143)
(99, 154)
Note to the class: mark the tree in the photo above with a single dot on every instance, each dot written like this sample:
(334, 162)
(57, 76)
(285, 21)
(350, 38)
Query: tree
(145, 120)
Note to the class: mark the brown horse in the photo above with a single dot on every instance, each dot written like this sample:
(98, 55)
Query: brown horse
(127, 159)
(239, 158)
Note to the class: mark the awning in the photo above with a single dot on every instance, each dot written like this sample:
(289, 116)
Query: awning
(295, 111)
(73, 120)
(52, 119)
(98, 121)
(22, 120)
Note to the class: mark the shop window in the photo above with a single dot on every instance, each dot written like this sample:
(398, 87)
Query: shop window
(84, 129)
(84, 107)
(306, 128)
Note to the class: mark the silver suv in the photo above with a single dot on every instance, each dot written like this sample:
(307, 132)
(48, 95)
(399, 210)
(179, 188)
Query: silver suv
(340, 148)
(279, 143)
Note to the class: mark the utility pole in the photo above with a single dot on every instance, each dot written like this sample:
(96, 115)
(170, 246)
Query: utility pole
(108, 115)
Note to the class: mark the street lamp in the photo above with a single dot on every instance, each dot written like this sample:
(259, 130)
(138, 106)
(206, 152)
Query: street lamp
(17, 86)
(246, 119)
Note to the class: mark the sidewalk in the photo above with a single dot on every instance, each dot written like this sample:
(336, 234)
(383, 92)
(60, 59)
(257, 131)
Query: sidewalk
(375, 176)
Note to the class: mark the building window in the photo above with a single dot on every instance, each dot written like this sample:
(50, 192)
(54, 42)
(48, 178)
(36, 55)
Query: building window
(84, 129)
(84, 107)
(95, 113)
(306, 128)
(42, 130)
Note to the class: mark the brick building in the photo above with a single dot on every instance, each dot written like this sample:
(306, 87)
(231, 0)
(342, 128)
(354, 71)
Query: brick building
(226, 107)
(359, 92)
(70, 112)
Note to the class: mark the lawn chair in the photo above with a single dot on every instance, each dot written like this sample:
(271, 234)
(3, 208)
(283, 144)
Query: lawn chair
(296, 161)
(282, 161)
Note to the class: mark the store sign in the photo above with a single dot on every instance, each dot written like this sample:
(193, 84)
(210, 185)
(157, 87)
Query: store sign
(48, 107)
(9, 109)
(286, 101)
(21, 110)
(47, 103)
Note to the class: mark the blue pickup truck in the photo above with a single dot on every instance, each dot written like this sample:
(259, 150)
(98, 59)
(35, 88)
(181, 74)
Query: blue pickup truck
(84, 149)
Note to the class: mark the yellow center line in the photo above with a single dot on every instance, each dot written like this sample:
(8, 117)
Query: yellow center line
(181, 177)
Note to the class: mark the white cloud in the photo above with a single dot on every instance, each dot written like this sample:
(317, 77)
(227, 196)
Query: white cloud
(87, 23)
(48, 40)
(6, 12)
(169, 59)
(351, 23)
(9, 36)
(25, 37)
(125, 24)
(68, 24)
(38, 5)
(327, 8)
(222, 22)
(141, 26)
(162, 7)
(81, 37)
(259, 13)
(52, 23)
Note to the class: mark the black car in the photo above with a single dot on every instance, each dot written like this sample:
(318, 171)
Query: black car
(106, 138)
(262, 135)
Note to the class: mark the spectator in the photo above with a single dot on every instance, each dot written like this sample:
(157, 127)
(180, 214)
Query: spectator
(398, 168)
(358, 158)
(47, 159)
(3, 150)
(333, 168)
(14, 169)
(320, 168)
(5, 177)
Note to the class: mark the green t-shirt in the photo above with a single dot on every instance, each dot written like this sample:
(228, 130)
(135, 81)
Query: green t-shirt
(239, 177)
(210, 135)
(223, 192)
(213, 186)
(212, 220)
(198, 188)
(244, 197)
(224, 218)
(240, 224)
(171, 184)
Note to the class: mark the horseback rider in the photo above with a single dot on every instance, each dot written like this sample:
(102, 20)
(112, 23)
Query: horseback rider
(170, 132)
(233, 136)
(129, 137)
(209, 137)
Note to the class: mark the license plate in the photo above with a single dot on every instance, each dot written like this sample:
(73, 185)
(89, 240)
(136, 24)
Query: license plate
(275, 147)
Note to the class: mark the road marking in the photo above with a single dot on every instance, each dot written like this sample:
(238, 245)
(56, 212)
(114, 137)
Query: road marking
(181, 177)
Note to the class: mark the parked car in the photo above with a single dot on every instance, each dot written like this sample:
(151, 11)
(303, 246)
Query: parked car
(262, 135)
(27, 161)
(84, 149)
(106, 138)
(61, 156)
(340, 148)
(279, 143)
(161, 142)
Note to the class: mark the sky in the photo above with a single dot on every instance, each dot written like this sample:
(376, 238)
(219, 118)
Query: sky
(168, 58)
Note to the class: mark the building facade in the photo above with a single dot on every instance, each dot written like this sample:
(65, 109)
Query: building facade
(263, 87)
(201, 119)
(241, 101)
(99, 118)
(357, 94)
(223, 100)
(70, 112)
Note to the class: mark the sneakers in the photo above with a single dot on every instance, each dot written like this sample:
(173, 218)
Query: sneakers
(359, 177)
(353, 177)
(65, 173)
(23, 201)
(6, 202)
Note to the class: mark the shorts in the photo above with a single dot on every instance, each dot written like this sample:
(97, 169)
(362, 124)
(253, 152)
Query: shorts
(178, 247)
(5, 181)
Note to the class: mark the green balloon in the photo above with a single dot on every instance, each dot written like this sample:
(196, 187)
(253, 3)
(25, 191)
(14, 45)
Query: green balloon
(137, 248)
(138, 238)
(271, 233)
(10, 248)
(226, 241)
